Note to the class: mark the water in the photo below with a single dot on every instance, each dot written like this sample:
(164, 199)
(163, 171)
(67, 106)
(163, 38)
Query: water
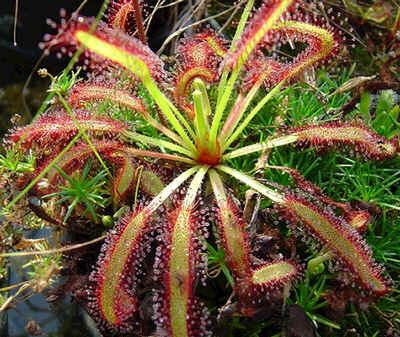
(63, 317)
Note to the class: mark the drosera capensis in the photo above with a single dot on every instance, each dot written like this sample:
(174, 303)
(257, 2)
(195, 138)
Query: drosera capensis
(198, 133)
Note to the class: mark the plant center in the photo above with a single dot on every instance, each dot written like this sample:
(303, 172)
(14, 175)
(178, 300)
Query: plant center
(207, 155)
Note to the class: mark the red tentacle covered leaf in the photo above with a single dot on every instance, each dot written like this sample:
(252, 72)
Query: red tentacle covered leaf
(215, 41)
(129, 45)
(250, 282)
(358, 219)
(132, 175)
(198, 57)
(120, 15)
(322, 43)
(126, 15)
(74, 160)
(117, 274)
(57, 128)
(261, 69)
(204, 49)
(95, 92)
(257, 29)
(340, 238)
(338, 134)
(234, 239)
(67, 41)
(63, 42)
(177, 311)
(125, 178)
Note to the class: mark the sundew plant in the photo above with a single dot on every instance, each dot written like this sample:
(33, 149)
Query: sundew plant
(192, 116)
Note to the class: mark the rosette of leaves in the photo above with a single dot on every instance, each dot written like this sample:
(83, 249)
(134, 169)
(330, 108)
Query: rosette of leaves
(200, 110)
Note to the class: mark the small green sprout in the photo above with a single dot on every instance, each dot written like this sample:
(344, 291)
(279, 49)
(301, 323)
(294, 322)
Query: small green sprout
(63, 83)
(216, 263)
(82, 190)
(14, 162)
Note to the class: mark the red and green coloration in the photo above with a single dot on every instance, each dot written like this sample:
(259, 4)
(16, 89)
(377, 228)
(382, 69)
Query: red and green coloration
(133, 175)
(260, 25)
(180, 255)
(198, 57)
(125, 15)
(121, 15)
(250, 282)
(357, 219)
(76, 158)
(128, 170)
(114, 299)
(126, 176)
(198, 136)
(58, 128)
(82, 93)
(71, 32)
(321, 43)
(340, 238)
(124, 248)
(336, 134)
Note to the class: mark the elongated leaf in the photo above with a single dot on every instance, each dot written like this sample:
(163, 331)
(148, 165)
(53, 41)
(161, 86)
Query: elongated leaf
(341, 239)
(342, 135)
(57, 128)
(250, 282)
(180, 314)
(123, 249)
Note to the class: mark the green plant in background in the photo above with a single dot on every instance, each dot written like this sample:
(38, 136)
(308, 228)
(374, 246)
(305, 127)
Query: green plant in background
(217, 264)
(11, 162)
(82, 191)
(199, 132)
(371, 185)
